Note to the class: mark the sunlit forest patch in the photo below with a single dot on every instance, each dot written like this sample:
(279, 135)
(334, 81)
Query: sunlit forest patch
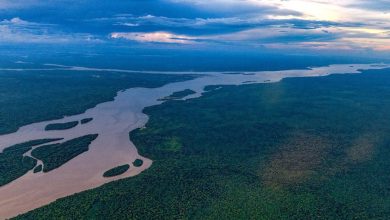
(298, 158)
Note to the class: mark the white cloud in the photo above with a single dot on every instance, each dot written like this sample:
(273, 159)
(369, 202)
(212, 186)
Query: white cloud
(15, 20)
(17, 30)
(360, 23)
(127, 24)
(11, 4)
(155, 37)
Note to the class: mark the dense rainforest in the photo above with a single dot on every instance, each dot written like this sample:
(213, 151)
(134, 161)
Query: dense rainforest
(303, 148)
(13, 163)
(48, 95)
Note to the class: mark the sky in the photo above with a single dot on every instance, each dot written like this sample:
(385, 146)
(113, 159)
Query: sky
(312, 26)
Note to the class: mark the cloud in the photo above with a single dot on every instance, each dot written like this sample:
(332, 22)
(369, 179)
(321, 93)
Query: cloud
(238, 7)
(15, 4)
(18, 22)
(291, 23)
(17, 30)
(281, 37)
(155, 37)
(377, 5)
(199, 23)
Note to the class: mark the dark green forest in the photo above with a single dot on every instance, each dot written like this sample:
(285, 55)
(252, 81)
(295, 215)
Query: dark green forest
(66, 125)
(61, 126)
(38, 168)
(303, 148)
(138, 163)
(116, 171)
(31, 96)
(178, 95)
(14, 165)
(85, 120)
(56, 155)
(12, 162)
